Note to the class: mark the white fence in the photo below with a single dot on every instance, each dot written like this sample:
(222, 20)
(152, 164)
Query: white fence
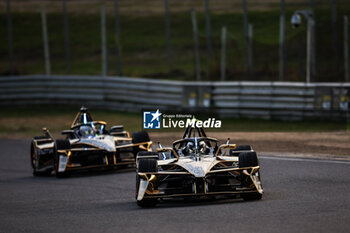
(280, 100)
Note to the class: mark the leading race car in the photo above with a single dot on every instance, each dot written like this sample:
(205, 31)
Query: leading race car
(88, 144)
(195, 166)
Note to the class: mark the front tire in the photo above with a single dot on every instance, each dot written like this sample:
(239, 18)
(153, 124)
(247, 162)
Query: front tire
(56, 164)
(145, 165)
(249, 159)
(60, 145)
(33, 161)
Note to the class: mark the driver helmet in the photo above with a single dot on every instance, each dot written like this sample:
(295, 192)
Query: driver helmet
(203, 147)
(190, 147)
(86, 131)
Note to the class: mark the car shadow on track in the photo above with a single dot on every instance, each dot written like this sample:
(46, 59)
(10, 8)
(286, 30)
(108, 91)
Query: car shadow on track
(191, 203)
(176, 203)
(133, 207)
(88, 173)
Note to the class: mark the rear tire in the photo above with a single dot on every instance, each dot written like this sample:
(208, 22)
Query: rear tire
(146, 165)
(139, 137)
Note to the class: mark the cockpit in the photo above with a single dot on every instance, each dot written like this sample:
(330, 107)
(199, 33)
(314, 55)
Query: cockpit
(86, 131)
(195, 146)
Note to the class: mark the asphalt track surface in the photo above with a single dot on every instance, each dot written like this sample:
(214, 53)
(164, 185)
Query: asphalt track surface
(301, 195)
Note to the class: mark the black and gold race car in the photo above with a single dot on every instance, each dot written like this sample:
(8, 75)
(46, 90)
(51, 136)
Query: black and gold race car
(87, 144)
(195, 167)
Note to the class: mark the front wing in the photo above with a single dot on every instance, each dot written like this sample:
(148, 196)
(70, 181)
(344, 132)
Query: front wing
(95, 157)
(239, 180)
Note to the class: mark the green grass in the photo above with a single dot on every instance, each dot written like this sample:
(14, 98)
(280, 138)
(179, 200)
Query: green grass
(26, 122)
(144, 48)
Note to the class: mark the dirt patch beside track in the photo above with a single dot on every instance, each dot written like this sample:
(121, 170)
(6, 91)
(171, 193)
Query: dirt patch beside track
(325, 144)
(295, 144)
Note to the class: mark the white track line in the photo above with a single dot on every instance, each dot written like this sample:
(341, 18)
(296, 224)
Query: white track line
(305, 160)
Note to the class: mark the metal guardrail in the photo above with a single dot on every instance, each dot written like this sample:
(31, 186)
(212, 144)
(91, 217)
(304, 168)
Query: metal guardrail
(280, 100)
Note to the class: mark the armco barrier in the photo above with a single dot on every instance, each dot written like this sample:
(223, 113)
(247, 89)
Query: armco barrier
(280, 100)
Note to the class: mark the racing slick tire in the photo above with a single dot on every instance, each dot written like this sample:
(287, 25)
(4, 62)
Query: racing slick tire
(33, 158)
(141, 136)
(146, 165)
(249, 159)
(138, 137)
(60, 145)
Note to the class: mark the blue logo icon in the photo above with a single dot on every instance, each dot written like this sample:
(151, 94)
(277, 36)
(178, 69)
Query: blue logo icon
(151, 120)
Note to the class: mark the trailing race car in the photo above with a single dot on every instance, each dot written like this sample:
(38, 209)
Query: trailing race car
(88, 144)
(195, 166)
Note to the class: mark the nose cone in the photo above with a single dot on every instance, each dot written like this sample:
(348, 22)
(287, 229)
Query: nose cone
(198, 172)
(198, 168)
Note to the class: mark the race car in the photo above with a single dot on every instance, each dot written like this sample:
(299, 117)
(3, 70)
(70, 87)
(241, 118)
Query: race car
(196, 167)
(88, 144)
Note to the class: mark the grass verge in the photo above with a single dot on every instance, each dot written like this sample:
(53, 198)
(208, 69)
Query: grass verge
(25, 122)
